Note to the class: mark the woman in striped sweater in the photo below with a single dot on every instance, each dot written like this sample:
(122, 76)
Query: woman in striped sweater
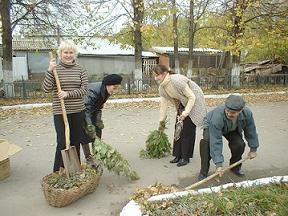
(74, 83)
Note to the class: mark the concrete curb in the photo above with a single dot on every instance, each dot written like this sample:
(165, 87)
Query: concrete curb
(132, 100)
(132, 208)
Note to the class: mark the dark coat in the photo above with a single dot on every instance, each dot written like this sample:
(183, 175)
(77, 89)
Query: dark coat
(94, 101)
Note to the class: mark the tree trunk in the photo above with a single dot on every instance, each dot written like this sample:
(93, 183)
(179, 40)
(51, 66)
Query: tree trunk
(138, 7)
(175, 37)
(235, 71)
(191, 40)
(5, 6)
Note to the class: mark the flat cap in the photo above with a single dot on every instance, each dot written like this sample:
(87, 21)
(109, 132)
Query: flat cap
(234, 102)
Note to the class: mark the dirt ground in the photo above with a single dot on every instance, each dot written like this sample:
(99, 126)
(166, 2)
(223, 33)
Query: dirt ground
(125, 129)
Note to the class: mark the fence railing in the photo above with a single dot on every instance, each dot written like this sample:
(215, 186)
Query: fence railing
(33, 89)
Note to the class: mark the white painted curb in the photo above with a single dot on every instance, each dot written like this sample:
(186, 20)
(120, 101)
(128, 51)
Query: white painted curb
(133, 209)
(132, 100)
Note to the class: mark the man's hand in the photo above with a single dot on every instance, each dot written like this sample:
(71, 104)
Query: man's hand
(90, 129)
(252, 154)
(100, 124)
(219, 172)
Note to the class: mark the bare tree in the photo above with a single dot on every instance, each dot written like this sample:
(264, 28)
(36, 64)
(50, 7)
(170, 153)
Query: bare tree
(239, 14)
(175, 37)
(138, 8)
(5, 6)
(16, 12)
(196, 12)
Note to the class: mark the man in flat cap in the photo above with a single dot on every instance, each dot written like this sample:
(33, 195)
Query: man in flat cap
(228, 120)
(97, 95)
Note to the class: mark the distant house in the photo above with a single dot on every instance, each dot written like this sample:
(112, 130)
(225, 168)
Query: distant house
(204, 59)
(99, 57)
(35, 51)
(103, 57)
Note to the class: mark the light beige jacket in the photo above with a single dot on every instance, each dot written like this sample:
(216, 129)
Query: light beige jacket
(176, 87)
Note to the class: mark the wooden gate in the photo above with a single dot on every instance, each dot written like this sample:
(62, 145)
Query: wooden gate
(148, 65)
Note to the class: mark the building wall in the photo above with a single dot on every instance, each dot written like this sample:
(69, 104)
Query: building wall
(37, 61)
(98, 66)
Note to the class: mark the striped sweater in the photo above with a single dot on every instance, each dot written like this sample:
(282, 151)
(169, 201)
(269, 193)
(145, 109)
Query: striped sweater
(74, 81)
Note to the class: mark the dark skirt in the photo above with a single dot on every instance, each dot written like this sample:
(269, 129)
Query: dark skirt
(184, 146)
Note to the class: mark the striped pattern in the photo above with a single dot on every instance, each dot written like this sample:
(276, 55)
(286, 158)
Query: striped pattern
(73, 80)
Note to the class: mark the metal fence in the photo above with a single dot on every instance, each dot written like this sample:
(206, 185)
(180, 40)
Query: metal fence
(33, 89)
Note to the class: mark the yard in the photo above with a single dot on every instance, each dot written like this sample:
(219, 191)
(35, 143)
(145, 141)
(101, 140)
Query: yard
(126, 128)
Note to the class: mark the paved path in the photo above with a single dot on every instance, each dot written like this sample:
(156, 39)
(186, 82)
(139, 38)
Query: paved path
(126, 130)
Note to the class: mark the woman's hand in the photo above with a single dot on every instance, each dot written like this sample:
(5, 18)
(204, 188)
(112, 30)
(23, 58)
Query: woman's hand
(62, 94)
(52, 64)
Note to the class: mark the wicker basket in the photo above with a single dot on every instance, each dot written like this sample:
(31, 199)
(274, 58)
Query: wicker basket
(4, 169)
(62, 197)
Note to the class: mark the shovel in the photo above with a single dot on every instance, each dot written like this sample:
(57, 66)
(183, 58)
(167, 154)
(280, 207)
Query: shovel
(69, 154)
(197, 184)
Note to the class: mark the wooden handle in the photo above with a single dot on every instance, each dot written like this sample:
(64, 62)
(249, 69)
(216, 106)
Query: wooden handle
(64, 114)
(215, 174)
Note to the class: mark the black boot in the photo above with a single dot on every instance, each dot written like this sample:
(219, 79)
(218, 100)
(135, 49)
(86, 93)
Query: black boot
(201, 176)
(175, 160)
(183, 162)
(238, 172)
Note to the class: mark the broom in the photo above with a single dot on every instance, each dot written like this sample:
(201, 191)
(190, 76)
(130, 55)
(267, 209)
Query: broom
(157, 143)
(113, 160)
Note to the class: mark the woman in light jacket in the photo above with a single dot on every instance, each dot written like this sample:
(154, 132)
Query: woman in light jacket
(189, 102)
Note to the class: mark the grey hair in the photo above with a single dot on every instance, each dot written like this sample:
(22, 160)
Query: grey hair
(67, 44)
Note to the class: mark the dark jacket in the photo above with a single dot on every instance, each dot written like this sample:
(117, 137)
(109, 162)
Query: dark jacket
(217, 123)
(94, 101)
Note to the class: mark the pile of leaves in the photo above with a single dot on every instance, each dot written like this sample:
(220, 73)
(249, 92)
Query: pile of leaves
(143, 194)
(59, 179)
(157, 144)
(258, 200)
(113, 160)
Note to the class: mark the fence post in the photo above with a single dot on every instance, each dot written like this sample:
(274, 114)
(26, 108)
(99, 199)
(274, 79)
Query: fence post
(129, 87)
(258, 80)
(24, 94)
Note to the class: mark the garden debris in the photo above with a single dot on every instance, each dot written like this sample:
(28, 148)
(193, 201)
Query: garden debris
(142, 194)
(113, 160)
(60, 180)
(257, 200)
(157, 144)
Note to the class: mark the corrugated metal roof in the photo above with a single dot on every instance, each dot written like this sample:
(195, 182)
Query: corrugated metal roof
(182, 49)
(104, 47)
(95, 46)
(31, 44)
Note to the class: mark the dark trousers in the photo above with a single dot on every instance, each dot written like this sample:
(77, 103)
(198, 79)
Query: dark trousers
(184, 146)
(236, 145)
(75, 121)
